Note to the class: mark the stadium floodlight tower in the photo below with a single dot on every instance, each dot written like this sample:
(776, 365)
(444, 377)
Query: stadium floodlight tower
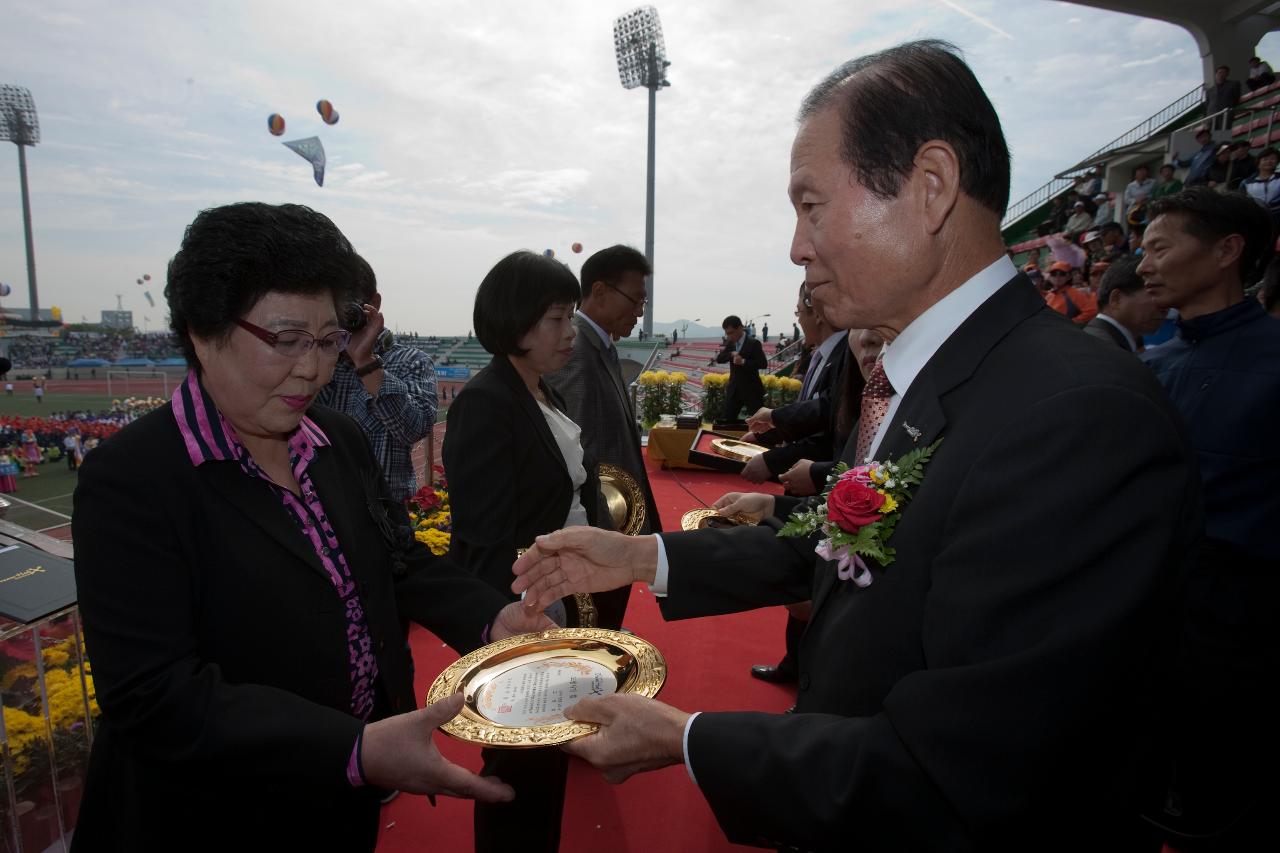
(642, 61)
(19, 125)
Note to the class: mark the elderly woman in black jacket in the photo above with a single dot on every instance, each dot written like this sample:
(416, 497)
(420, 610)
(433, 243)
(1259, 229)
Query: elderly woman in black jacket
(243, 575)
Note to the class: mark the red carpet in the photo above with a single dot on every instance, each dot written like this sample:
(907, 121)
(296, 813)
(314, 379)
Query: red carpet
(708, 662)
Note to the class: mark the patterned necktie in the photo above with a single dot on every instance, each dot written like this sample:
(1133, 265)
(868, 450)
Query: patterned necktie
(875, 405)
(806, 390)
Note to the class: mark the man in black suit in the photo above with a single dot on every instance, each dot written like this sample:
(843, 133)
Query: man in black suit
(745, 357)
(1126, 311)
(992, 687)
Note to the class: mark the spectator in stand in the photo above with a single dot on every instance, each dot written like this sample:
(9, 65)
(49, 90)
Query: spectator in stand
(1264, 186)
(1223, 374)
(1136, 234)
(1199, 163)
(1220, 170)
(1079, 221)
(1096, 270)
(1260, 74)
(1221, 97)
(1104, 212)
(1139, 188)
(1058, 213)
(1167, 183)
(1268, 290)
(1243, 166)
(1112, 241)
(1126, 311)
(1076, 305)
(1091, 186)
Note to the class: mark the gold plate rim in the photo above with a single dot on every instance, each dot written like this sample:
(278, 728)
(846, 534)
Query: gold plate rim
(632, 494)
(728, 447)
(692, 520)
(650, 674)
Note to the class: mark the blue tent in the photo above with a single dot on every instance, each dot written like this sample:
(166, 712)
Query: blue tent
(88, 362)
(134, 362)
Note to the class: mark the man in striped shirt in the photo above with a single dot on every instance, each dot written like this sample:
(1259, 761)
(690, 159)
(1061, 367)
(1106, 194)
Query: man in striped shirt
(390, 391)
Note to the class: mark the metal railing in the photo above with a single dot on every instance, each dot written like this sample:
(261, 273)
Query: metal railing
(1145, 130)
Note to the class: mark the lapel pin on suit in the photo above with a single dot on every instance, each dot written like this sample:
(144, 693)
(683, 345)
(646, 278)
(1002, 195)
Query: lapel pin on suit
(912, 431)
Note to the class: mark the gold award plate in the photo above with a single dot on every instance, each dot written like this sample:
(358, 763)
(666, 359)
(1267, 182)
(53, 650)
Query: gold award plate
(743, 451)
(515, 690)
(697, 519)
(624, 499)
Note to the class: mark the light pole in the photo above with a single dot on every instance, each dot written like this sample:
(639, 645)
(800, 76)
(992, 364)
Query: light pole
(19, 125)
(642, 61)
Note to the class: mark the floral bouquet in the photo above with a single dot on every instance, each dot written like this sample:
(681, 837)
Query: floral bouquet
(430, 517)
(858, 511)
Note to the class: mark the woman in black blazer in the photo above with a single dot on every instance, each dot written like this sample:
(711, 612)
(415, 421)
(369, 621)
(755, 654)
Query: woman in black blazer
(516, 471)
(243, 574)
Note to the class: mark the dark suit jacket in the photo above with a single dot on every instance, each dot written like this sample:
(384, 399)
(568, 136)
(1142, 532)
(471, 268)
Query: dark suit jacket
(508, 482)
(745, 376)
(991, 689)
(219, 646)
(1104, 331)
(596, 398)
(808, 426)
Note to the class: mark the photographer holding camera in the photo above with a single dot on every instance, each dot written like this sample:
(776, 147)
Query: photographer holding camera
(388, 389)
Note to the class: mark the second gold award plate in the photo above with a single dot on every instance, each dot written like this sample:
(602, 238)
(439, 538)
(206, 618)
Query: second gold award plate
(515, 690)
(732, 448)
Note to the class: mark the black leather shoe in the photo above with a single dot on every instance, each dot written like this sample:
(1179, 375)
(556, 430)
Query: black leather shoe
(772, 674)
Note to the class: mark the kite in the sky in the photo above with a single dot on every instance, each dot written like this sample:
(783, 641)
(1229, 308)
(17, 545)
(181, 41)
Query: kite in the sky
(275, 124)
(312, 151)
(327, 112)
(150, 300)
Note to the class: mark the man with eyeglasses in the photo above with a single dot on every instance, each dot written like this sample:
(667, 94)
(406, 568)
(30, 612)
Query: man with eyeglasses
(387, 388)
(1073, 303)
(592, 384)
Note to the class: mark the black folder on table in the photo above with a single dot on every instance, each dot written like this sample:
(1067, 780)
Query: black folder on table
(34, 583)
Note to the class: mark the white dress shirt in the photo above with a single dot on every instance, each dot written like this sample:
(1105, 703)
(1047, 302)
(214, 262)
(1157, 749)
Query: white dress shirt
(1128, 336)
(925, 335)
(604, 336)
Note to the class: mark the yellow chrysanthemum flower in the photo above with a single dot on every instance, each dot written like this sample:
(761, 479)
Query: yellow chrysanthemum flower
(889, 505)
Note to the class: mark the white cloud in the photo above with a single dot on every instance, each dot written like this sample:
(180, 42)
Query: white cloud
(471, 129)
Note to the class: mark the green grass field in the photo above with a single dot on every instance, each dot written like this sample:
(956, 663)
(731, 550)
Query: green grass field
(26, 406)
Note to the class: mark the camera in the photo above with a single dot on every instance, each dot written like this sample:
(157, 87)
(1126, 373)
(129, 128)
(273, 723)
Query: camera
(354, 319)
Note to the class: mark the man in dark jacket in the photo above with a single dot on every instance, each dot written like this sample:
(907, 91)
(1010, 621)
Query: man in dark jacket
(1222, 372)
(745, 357)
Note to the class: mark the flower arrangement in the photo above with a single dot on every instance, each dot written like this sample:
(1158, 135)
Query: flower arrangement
(713, 388)
(430, 516)
(859, 509)
(780, 390)
(660, 394)
(25, 727)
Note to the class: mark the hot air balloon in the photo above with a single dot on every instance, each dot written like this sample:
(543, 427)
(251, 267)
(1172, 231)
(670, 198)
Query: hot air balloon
(146, 276)
(327, 112)
(577, 248)
(275, 124)
(139, 282)
(5, 289)
(550, 253)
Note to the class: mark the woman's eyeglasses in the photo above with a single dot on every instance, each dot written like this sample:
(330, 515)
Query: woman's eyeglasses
(295, 343)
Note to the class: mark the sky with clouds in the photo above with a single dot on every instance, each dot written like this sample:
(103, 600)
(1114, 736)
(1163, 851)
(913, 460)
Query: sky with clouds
(470, 129)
